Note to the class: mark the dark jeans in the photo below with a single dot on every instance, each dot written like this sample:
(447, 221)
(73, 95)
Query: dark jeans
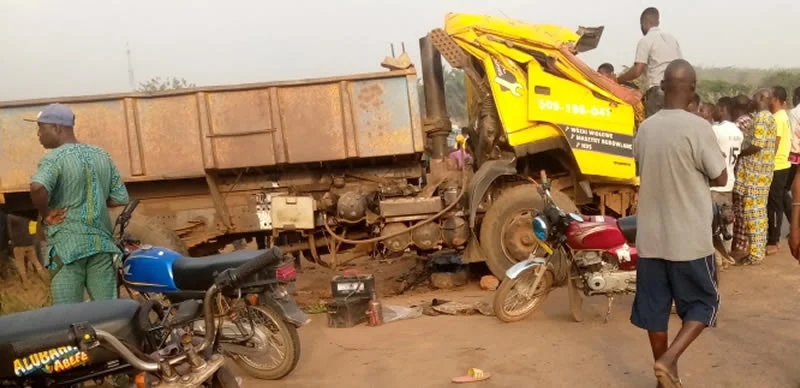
(775, 205)
(787, 199)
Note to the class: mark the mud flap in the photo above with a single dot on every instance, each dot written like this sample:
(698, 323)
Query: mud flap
(287, 308)
(575, 295)
(522, 266)
(483, 179)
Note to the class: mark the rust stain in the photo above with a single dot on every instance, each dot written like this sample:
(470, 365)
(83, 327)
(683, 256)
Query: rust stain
(176, 134)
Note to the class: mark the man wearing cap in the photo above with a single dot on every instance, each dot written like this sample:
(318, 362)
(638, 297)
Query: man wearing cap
(72, 189)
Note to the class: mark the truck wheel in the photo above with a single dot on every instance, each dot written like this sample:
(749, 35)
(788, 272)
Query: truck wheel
(150, 232)
(507, 228)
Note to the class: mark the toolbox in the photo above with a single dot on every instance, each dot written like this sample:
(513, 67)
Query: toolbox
(347, 312)
(351, 284)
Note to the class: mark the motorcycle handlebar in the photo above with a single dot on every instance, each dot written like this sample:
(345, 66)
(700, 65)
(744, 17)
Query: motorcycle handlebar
(233, 278)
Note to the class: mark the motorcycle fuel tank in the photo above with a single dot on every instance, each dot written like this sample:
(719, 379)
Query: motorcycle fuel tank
(596, 233)
(150, 270)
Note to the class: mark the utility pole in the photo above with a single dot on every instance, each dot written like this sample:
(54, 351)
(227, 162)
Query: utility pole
(131, 78)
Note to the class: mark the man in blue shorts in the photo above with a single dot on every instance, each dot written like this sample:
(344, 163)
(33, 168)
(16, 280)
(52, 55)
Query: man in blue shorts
(679, 160)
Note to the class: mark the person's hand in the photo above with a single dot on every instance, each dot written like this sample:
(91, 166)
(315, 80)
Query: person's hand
(55, 216)
(794, 242)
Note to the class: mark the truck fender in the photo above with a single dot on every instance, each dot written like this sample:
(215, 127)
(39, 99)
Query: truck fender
(483, 179)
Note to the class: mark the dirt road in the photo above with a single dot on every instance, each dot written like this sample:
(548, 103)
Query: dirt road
(757, 343)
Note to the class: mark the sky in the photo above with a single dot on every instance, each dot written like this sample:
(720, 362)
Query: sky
(52, 48)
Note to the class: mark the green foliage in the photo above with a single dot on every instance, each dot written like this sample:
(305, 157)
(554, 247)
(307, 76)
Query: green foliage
(455, 90)
(729, 81)
(713, 83)
(157, 84)
(710, 90)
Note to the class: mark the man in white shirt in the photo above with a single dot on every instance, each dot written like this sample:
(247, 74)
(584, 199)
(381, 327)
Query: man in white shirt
(729, 138)
(655, 51)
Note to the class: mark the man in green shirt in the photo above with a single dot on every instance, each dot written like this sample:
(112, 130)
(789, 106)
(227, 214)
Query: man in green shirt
(72, 189)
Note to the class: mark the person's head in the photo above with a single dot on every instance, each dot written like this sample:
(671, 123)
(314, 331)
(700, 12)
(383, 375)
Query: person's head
(606, 69)
(778, 100)
(796, 96)
(649, 19)
(724, 111)
(56, 122)
(762, 99)
(707, 111)
(742, 105)
(679, 83)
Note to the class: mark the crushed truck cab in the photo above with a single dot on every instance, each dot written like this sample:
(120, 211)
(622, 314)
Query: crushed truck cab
(544, 95)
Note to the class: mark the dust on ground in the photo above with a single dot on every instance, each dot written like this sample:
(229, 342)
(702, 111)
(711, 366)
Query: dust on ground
(406, 275)
(392, 277)
(756, 343)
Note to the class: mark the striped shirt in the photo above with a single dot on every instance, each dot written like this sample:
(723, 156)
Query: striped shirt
(81, 178)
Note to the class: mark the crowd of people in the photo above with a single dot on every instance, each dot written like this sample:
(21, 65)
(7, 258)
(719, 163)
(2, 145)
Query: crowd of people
(759, 137)
(740, 150)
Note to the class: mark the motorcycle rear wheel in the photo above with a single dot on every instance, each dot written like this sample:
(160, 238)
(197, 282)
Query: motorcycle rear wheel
(518, 289)
(271, 328)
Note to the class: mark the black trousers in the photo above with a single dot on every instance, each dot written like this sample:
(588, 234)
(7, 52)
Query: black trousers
(653, 100)
(787, 199)
(775, 205)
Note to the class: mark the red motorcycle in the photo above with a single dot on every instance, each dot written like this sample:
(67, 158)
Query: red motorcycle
(591, 255)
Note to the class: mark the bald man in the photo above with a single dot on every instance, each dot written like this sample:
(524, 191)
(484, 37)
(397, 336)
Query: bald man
(679, 161)
(754, 176)
(654, 53)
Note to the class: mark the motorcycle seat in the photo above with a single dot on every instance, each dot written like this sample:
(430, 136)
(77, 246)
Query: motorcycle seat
(48, 328)
(197, 273)
(627, 225)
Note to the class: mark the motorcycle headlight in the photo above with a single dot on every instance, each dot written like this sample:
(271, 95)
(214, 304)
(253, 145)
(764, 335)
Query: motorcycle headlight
(540, 228)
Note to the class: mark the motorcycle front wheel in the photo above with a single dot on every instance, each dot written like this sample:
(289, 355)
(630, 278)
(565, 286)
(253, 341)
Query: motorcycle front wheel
(515, 299)
(279, 342)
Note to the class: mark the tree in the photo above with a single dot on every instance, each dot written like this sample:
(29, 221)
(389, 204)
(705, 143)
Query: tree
(157, 84)
(710, 90)
(788, 79)
(455, 96)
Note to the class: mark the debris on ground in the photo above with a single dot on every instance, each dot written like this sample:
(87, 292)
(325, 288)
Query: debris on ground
(448, 280)
(317, 308)
(473, 375)
(489, 283)
(396, 313)
(439, 306)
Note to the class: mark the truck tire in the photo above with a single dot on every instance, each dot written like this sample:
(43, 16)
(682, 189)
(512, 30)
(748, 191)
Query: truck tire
(150, 232)
(507, 228)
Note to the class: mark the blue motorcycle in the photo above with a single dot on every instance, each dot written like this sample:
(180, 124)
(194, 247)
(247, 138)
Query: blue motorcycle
(259, 320)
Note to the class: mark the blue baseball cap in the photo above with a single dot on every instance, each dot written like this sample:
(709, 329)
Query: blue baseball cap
(57, 114)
